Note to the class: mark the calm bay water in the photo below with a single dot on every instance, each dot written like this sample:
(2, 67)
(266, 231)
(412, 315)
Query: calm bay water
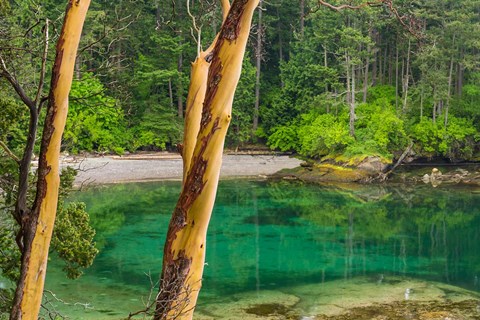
(267, 236)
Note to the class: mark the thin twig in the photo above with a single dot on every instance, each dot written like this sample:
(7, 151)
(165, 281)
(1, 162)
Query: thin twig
(44, 65)
(350, 7)
(9, 152)
(198, 30)
(18, 88)
(412, 27)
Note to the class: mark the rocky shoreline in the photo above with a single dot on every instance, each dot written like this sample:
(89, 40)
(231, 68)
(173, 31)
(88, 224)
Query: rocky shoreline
(95, 170)
(372, 170)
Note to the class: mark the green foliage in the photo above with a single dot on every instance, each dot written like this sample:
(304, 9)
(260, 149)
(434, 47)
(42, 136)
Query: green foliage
(160, 128)
(9, 253)
(95, 122)
(380, 129)
(241, 126)
(13, 123)
(73, 239)
(457, 140)
(284, 138)
(379, 132)
(320, 135)
(381, 94)
(157, 125)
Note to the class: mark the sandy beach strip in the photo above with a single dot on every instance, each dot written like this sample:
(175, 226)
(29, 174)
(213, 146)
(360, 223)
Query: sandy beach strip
(167, 166)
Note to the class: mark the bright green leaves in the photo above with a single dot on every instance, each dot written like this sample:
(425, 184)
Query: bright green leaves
(379, 132)
(73, 239)
(95, 121)
(458, 140)
(284, 138)
(240, 129)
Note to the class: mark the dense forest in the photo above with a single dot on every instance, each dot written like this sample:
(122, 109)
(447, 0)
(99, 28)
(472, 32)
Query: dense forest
(320, 82)
(335, 81)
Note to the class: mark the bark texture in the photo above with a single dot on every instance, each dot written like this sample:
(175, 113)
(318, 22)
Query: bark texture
(38, 225)
(209, 106)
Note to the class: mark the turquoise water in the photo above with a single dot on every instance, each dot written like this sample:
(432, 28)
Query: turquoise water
(267, 236)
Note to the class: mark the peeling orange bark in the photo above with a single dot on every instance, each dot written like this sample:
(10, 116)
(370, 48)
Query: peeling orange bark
(38, 224)
(208, 118)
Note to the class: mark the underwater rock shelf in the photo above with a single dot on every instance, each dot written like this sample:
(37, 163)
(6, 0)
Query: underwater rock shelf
(361, 298)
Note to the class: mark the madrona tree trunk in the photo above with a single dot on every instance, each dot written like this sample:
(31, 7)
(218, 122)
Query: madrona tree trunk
(209, 105)
(37, 225)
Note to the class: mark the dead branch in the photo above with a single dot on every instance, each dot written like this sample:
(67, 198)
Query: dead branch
(177, 307)
(384, 176)
(411, 24)
(350, 7)
(9, 152)
(44, 64)
(18, 88)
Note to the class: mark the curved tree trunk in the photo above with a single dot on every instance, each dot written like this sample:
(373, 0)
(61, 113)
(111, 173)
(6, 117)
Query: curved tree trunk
(184, 252)
(37, 226)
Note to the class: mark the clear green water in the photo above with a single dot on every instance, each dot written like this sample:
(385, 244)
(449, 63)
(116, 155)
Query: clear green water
(268, 236)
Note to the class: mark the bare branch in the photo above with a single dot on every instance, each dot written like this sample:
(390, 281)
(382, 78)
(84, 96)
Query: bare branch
(9, 152)
(411, 24)
(347, 6)
(18, 88)
(44, 64)
(196, 28)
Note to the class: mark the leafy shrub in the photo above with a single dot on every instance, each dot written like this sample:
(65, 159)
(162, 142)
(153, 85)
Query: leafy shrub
(457, 140)
(381, 93)
(73, 239)
(284, 138)
(94, 122)
(325, 134)
(379, 128)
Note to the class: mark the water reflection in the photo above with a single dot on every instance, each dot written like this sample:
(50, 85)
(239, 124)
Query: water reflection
(266, 235)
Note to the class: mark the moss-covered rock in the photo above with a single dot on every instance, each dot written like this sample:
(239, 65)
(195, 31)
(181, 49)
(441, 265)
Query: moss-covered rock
(325, 172)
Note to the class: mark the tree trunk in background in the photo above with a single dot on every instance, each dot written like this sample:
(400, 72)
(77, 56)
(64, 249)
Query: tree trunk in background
(348, 96)
(184, 252)
(38, 225)
(365, 79)
(352, 104)
(460, 72)
(258, 61)
(380, 67)
(375, 60)
(170, 92)
(281, 57)
(396, 78)
(421, 103)
(325, 63)
(449, 89)
(449, 94)
(180, 85)
(406, 80)
(384, 68)
(280, 39)
(390, 66)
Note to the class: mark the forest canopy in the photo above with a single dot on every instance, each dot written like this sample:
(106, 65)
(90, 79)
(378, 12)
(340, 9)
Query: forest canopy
(347, 83)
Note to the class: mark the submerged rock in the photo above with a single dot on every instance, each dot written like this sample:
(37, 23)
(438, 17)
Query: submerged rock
(362, 298)
(264, 304)
(325, 173)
